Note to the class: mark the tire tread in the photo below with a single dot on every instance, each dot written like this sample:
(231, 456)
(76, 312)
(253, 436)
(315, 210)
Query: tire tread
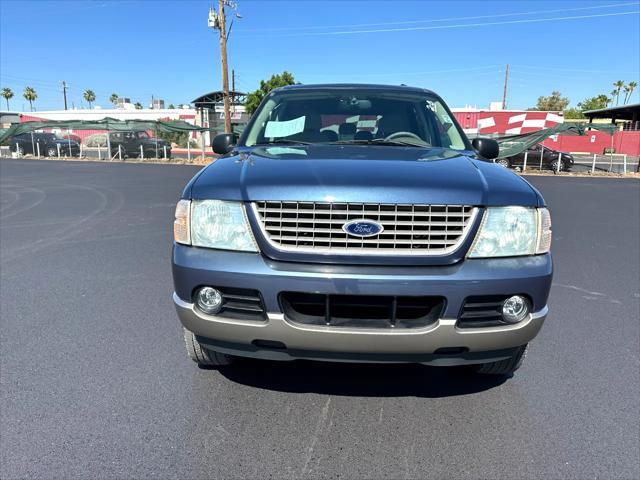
(504, 367)
(202, 355)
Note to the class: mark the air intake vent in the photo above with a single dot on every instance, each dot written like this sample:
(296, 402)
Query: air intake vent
(482, 311)
(361, 311)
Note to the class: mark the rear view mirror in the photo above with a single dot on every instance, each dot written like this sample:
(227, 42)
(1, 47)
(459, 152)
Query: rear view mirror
(224, 143)
(487, 148)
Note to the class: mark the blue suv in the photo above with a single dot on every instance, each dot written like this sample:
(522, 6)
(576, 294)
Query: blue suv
(358, 223)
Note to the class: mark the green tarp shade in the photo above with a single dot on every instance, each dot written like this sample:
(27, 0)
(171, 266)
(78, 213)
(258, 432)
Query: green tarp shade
(110, 124)
(513, 144)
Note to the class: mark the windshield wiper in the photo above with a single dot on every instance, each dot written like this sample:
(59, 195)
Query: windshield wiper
(381, 141)
(283, 141)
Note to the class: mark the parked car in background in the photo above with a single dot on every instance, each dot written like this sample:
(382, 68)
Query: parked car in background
(550, 159)
(389, 239)
(50, 145)
(71, 136)
(130, 143)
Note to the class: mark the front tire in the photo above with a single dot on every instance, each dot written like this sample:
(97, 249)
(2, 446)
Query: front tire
(202, 355)
(52, 152)
(554, 166)
(504, 367)
(503, 162)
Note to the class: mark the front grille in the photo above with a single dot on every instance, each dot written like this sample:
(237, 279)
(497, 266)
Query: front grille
(360, 311)
(482, 311)
(241, 304)
(409, 229)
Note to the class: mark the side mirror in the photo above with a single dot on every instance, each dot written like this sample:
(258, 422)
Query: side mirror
(486, 147)
(224, 143)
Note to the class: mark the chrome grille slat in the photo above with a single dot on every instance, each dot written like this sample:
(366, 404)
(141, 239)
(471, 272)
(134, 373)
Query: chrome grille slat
(409, 229)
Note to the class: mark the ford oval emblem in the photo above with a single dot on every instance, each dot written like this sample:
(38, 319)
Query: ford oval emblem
(362, 228)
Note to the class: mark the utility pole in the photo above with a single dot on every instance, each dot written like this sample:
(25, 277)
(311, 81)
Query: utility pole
(225, 72)
(218, 21)
(506, 82)
(64, 93)
(233, 80)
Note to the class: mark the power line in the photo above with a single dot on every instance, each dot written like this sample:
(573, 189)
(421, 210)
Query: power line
(462, 25)
(409, 22)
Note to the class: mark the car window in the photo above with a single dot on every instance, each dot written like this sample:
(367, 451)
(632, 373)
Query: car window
(143, 135)
(326, 116)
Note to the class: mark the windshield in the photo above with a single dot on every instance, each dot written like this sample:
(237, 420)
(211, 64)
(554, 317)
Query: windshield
(355, 116)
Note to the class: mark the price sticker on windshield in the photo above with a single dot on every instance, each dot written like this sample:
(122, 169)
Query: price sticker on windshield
(284, 129)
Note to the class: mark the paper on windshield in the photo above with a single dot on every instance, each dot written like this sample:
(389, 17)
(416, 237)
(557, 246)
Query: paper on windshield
(284, 129)
(285, 151)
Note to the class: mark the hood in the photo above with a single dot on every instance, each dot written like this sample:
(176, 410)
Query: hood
(153, 141)
(360, 174)
(66, 141)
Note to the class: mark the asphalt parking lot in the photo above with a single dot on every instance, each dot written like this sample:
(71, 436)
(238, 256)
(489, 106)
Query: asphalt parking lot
(95, 382)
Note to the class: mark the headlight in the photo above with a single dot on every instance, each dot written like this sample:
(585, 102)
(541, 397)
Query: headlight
(181, 231)
(512, 231)
(220, 224)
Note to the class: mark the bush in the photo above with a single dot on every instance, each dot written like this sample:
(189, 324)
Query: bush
(96, 140)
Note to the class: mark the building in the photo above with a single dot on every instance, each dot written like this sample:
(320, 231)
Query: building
(497, 123)
(627, 116)
(7, 118)
(493, 122)
(210, 111)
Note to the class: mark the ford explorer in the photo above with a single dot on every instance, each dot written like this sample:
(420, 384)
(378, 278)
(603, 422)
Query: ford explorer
(358, 223)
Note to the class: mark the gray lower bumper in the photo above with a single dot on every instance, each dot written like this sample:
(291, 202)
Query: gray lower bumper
(242, 337)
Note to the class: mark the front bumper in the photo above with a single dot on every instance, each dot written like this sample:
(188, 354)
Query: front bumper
(194, 267)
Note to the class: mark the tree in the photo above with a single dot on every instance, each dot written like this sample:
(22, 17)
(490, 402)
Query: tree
(138, 105)
(554, 102)
(276, 80)
(172, 106)
(613, 95)
(619, 86)
(30, 95)
(114, 99)
(89, 96)
(628, 91)
(572, 113)
(593, 103)
(7, 93)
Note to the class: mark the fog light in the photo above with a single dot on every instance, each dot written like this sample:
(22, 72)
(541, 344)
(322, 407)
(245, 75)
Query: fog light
(209, 300)
(515, 309)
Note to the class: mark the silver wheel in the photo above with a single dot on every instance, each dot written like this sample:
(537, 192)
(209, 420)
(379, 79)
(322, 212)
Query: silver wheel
(554, 166)
(504, 162)
(203, 356)
(52, 152)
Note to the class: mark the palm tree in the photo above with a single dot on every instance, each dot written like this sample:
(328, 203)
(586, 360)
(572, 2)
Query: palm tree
(114, 99)
(7, 93)
(30, 95)
(138, 106)
(613, 96)
(89, 96)
(619, 86)
(629, 90)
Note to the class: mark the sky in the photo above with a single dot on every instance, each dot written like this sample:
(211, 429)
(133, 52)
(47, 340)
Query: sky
(459, 49)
